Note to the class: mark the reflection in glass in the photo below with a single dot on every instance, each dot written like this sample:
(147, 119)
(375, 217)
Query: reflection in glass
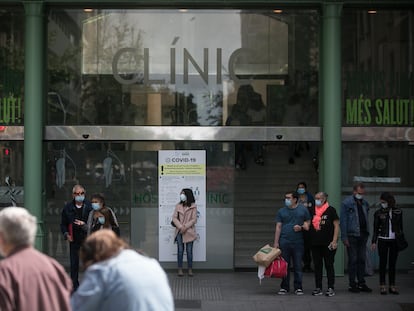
(163, 67)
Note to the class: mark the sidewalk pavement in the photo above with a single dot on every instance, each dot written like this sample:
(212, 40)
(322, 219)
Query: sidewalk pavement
(242, 291)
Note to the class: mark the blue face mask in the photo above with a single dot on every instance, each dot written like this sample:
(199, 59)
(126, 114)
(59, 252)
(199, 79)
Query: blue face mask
(288, 202)
(301, 190)
(318, 202)
(96, 206)
(79, 198)
(101, 220)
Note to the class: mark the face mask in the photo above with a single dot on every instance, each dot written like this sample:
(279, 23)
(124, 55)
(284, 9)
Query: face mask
(318, 202)
(301, 190)
(288, 202)
(101, 220)
(384, 204)
(79, 198)
(359, 196)
(96, 206)
(183, 197)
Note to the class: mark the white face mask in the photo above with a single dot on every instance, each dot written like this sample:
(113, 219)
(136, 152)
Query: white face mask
(384, 204)
(358, 196)
(183, 197)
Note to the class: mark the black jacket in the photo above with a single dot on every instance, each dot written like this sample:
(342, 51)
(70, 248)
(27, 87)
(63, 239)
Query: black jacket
(68, 217)
(381, 222)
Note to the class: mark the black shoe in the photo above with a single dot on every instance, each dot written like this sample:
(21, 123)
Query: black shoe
(393, 291)
(353, 289)
(364, 288)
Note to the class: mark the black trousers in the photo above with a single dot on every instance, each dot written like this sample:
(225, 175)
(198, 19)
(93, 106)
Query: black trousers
(322, 255)
(388, 253)
(74, 263)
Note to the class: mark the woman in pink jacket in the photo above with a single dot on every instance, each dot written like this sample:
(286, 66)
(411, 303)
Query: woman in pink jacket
(184, 219)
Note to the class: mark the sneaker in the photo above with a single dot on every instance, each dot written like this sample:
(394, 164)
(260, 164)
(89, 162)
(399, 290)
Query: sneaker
(353, 289)
(282, 291)
(364, 288)
(299, 292)
(330, 292)
(317, 292)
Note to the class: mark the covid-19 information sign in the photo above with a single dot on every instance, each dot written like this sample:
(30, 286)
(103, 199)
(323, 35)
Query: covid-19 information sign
(178, 169)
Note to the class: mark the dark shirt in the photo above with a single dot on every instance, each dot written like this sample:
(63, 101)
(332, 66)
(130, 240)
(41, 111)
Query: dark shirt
(324, 236)
(69, 213)
(361, 216)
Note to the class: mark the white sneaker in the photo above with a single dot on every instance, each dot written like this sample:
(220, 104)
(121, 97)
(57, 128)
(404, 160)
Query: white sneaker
(282, 291)
(298, 292)
(317, 292)
(330, 292)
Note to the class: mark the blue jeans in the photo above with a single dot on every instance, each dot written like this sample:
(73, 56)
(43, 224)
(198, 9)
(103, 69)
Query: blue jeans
(356, 259)
(180, 252)
(292, 253)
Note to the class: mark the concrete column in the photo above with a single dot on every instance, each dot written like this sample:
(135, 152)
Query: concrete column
(331, 90)
(33, 112)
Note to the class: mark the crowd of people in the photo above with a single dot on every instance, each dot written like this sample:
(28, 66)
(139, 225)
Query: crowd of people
(307, 222)
(117, 276)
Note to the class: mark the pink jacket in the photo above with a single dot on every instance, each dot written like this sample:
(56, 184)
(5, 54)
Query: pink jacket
(185, 217)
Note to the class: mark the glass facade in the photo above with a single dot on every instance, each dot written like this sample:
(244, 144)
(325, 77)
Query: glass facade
(378, 81)
(256, 69)
(378, 91)
(171, 67)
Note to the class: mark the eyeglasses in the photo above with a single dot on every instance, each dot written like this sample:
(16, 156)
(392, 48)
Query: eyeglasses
(79, 193)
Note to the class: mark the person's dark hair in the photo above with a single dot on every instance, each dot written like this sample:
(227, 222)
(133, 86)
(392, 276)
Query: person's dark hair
(294, 194)
(358, 185)
(99, 246)
(190, 196)
(389, 198)
(109, 219)
(100, 197)
(302, 183)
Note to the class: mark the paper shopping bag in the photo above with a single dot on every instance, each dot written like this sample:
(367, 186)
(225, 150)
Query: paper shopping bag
(266, 255)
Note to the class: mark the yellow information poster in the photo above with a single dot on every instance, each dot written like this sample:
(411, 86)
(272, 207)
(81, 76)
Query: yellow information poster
(179, 169)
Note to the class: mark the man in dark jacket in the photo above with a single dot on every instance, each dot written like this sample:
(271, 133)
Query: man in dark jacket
(73, 227)
(354, 234)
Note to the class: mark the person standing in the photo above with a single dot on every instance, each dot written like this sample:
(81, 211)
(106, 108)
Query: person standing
(119, 278)
(306, 199)
(29, 280)
(291, 221)
(99, 209)
(184, 219)
(354, 235)
(73, 227)
(388, 222)
(103, 219)
(324, 233)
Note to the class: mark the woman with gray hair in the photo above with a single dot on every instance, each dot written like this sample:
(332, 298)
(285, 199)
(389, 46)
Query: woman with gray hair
(324, 231)
(29, 280)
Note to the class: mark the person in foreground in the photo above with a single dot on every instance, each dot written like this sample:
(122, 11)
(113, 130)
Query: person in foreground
(291, 221)
(354, 235)
(29, 280)
(119, 278)
(388, 222)
(324, 232)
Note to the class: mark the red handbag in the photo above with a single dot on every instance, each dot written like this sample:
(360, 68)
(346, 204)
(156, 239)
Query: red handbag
(277, 269)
